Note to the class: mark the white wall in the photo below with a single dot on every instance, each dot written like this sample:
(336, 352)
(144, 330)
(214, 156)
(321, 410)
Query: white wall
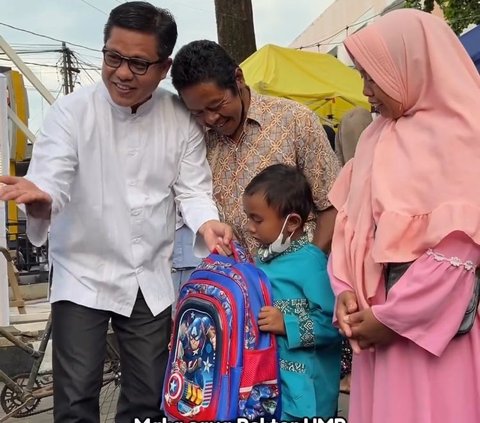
(342, 18)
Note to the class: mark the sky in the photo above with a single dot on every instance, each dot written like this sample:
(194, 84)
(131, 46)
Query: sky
(81, 22)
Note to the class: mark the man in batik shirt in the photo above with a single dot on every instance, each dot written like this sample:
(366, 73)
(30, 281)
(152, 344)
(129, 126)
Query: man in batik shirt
(246, 132)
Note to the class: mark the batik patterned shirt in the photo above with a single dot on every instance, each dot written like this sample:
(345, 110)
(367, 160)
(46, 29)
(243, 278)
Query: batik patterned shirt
(276, 130)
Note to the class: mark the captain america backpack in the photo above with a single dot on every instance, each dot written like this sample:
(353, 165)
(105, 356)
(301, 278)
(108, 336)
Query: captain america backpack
(221, 366)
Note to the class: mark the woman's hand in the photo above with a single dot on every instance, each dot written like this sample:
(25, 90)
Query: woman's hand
(346, 304)
(367, 330)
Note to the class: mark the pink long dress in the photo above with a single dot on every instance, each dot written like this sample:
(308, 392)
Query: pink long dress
(426, 375)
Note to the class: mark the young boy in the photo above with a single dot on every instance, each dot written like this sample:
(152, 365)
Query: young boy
(277, 202)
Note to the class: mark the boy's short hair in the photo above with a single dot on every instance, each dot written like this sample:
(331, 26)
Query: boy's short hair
(285, 188)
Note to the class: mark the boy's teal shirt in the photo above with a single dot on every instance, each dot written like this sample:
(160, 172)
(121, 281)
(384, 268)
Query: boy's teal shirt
(311, 349)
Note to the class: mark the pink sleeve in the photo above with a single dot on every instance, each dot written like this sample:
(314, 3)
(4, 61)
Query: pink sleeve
(429, 301)
(338, 286)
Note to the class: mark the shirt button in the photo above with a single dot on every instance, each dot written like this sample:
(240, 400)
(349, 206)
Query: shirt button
(133, 153)
(136, 212)
(136, 240)
(132, 183)
(139, 270)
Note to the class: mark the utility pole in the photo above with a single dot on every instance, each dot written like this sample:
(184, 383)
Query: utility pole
(68, 69)
(235, 29)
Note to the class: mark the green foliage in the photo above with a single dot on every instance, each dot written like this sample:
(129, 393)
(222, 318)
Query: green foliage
(426, 6)
(461, 13)
(458, 13)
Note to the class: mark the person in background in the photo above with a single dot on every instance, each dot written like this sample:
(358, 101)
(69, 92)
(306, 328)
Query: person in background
(406, 244)
(330, 135)
(107, 168)
(246, 132)
(277, 203)
(350, 128)
(184, 261)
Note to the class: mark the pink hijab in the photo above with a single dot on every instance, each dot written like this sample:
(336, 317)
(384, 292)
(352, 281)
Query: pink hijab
(416, 179)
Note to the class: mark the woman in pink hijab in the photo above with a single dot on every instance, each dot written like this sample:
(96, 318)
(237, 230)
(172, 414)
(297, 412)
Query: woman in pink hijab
(407, 235)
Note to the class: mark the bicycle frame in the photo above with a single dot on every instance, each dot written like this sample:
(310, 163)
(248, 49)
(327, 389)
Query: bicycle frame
(25, 393)
(31, 392)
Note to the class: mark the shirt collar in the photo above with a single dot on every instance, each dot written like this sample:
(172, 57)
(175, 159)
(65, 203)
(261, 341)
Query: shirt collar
(255, 111)
(141, 110)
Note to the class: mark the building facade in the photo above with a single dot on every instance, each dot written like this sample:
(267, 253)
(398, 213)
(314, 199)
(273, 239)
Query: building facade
(344, 17)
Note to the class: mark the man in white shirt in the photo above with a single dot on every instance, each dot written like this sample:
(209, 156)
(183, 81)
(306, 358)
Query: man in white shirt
(107, 168)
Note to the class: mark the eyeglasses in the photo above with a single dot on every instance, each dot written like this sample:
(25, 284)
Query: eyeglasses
(136, 66)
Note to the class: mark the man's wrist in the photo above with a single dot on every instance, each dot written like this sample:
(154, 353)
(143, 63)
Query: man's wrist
(39, 210)
(202, 227)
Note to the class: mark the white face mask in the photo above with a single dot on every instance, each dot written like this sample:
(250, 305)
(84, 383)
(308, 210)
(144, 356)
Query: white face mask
(276, 247)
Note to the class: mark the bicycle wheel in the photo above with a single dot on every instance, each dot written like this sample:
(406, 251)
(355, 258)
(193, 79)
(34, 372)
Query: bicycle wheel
(10, 400)
(108, 401)
(111, 385)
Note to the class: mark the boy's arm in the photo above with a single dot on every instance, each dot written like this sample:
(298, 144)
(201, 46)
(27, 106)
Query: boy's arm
(313, 327)
(270, 319)
(325, 223)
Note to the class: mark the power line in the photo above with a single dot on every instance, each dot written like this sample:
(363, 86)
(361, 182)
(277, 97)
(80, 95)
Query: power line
(32, 63)
(45, 65)
(68, 69)
(99, 58)
(91, 66)
(32, 44)
(47, 37)
(86, 72)
(58, 93)
(322, 41)
(33, 51)
(79, 63)
(94, 7)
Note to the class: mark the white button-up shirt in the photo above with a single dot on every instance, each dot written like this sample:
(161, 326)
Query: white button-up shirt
(114, 178)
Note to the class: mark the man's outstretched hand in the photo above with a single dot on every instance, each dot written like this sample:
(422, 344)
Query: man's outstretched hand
(22, 191)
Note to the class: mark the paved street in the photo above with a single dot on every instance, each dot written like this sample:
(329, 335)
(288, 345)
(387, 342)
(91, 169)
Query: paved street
(108, 418)
(34, 322)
